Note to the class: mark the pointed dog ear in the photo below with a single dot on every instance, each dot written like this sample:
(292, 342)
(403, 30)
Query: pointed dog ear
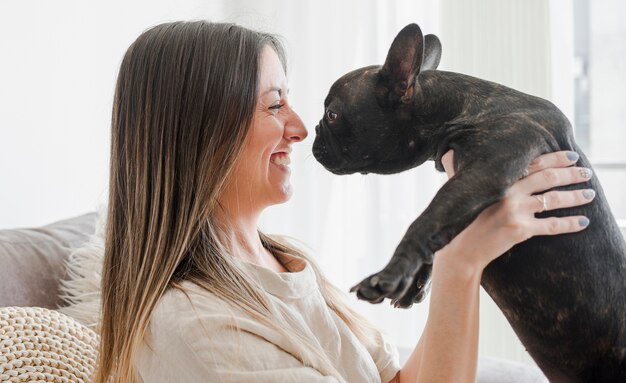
(402, 65)
(432, 52)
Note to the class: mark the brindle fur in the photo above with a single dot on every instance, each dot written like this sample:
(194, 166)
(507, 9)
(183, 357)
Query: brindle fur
(563, 295)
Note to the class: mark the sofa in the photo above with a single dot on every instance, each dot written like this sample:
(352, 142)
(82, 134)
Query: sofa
(37, 342)
(32, 265)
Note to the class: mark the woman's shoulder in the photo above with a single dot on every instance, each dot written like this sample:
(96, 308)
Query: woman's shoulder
(186, 302)
(191, 315)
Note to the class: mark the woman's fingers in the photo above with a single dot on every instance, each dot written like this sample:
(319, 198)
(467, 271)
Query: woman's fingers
(552, 160)
(447, 160)
(552, 177)
(560, 199)
(559, 225)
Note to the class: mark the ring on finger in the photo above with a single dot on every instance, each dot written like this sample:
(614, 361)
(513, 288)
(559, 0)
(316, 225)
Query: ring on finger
(525, 173)
(544, 204)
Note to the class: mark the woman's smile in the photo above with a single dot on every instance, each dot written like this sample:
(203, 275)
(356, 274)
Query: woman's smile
(281, 161)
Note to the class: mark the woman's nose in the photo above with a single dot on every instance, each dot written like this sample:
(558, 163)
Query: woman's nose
(294, 127)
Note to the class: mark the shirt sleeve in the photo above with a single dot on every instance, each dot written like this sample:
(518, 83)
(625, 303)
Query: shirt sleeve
(208, 348)
(383, 352)
(385, 355)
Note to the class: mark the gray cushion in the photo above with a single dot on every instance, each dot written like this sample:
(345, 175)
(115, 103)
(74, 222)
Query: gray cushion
(32, 260)
(495, 370)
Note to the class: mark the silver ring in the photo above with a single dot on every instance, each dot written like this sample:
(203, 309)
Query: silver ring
(543, 201)
(525, 173)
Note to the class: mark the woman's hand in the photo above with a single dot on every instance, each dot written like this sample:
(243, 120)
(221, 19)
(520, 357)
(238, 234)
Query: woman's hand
(512, 220)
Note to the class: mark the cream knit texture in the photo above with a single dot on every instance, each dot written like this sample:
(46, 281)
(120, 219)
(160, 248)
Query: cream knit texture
(41, 345)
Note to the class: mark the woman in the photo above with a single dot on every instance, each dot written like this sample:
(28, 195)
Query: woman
(202, 129)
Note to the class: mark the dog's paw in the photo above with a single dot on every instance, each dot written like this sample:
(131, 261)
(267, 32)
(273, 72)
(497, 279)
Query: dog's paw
(418, 289)
(377, 287)
(403, 284)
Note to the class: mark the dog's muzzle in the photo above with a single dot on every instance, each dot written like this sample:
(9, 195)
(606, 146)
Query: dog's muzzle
(327, 151)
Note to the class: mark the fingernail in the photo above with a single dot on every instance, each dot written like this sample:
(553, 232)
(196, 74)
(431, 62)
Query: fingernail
(589, 193)
(572, 156)
(586, 172)
(583, 222)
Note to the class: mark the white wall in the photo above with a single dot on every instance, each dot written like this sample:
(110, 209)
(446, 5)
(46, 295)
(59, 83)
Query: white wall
(57, 74)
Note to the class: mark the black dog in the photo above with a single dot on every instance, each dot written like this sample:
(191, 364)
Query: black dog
(565, 296)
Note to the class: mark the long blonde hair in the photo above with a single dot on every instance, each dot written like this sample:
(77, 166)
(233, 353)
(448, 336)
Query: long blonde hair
(184, 100)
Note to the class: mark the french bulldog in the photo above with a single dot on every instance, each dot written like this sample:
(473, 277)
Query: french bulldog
(564, 295)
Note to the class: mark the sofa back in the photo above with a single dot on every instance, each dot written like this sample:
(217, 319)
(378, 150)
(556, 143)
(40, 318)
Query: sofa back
(32, 260)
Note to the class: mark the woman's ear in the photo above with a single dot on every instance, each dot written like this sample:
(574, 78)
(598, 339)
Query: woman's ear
(403, 64)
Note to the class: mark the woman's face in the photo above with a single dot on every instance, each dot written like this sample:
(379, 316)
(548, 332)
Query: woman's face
(261, 173)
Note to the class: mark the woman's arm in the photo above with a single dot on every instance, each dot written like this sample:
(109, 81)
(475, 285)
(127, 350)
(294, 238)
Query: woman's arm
(450, 338)
(448, 348)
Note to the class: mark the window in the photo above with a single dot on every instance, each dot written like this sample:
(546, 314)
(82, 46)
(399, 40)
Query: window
(599, 78)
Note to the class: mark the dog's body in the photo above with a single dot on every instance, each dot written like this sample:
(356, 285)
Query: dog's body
(565, 296)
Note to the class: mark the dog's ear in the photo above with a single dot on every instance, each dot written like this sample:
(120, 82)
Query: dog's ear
(432, 52)
(403, 64)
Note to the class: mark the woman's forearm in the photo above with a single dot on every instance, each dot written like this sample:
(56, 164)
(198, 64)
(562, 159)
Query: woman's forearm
(451, 332)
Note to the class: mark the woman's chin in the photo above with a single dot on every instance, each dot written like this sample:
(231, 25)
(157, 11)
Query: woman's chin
(286, 193)
(282, 193)
(280, 184)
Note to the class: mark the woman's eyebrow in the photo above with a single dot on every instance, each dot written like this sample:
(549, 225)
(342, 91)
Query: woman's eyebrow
(274, 89)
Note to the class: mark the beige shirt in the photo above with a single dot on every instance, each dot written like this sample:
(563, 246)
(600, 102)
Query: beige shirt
(195, 341)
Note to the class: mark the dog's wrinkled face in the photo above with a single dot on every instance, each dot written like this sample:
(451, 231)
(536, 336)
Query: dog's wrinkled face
(368, 113)
(356, 134)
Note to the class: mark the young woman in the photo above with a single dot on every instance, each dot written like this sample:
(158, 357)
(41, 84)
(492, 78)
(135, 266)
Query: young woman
(192, 291)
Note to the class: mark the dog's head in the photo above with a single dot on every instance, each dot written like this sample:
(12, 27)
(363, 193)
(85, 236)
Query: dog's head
(369, 119)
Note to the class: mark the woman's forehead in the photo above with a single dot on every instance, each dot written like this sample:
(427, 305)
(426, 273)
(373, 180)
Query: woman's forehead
(273, 77)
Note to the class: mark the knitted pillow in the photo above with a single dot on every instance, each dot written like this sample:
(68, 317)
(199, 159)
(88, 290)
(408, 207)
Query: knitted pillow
(41, 345)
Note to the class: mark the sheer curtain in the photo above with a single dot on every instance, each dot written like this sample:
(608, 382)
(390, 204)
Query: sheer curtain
(512, 43)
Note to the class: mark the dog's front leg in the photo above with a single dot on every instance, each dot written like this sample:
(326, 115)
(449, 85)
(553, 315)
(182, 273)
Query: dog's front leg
(406, 276)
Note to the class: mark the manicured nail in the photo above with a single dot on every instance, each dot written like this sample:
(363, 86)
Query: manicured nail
(586, 172)
(583, 222)
(589, 193)
(572, 156)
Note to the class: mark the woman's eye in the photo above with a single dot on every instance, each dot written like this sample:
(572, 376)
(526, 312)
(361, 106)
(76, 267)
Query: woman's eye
(330, 115)
(277, 107)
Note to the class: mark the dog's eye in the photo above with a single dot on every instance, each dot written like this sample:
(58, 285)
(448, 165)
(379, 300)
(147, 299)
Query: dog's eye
(331, 116)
